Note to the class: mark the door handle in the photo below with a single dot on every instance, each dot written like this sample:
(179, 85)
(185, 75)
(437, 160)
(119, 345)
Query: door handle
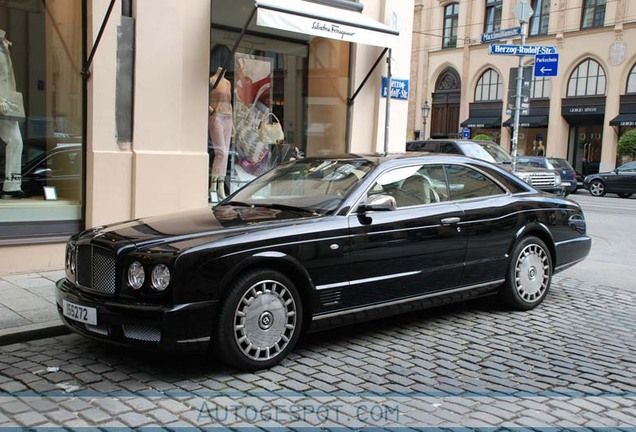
(450, 221)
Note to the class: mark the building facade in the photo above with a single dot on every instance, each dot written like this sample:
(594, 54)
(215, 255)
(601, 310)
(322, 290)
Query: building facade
(120, 109)
(578, 114)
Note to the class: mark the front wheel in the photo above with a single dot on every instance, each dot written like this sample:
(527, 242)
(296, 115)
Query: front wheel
(529, 274)
(259, 321)
(624, 195)
(597, 188)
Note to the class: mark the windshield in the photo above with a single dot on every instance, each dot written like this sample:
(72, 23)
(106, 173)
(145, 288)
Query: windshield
(476, 151)
(500, 155)
(315, 186)
(558, 163)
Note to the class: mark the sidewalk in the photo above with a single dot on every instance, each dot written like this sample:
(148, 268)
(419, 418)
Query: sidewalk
(27, 306)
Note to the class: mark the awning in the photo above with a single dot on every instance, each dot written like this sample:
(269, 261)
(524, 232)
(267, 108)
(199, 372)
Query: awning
(624, 120)
(528, 121)
(482, 122)
(324, 21)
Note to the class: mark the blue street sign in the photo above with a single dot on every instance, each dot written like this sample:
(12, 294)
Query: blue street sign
(466, 133)
(509, 33)
(399, 88)
(521, 50)
(546, 65)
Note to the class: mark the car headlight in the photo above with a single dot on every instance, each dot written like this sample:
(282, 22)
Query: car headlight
(160, 277)
(557, 180)
(70, 259)
(136, 275)
(525, 178)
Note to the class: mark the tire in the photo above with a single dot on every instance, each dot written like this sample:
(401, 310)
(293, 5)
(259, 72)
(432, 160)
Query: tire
(624, 195)
(597, 188)
(259, 322)
(529, 274)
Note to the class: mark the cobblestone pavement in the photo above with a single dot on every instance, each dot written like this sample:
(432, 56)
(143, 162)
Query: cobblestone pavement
(571, 363)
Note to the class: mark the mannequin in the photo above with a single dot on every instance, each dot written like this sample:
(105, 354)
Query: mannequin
(11, 108)
(220, 128)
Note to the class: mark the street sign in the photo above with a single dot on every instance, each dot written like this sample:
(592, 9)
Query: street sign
(521, 50)
(523, 11)
(546, 65)
(399, 88)
(466, 133)
(509, 33)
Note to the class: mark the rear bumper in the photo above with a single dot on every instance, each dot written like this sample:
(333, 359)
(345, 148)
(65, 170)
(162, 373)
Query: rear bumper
(185, 326)
(571, 252)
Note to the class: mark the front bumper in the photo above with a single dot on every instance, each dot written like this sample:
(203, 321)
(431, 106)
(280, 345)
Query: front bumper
(184, 326)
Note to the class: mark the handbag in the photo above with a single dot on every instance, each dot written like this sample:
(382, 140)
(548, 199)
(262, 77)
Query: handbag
(12, 106)
(271, 133)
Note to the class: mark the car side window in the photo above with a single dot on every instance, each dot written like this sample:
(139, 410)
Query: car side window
(430, 146)
(413, 186)
(465, 182)
(449, 148)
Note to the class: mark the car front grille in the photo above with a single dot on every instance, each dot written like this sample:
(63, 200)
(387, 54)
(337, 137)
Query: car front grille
(542, 180)
(96, 269)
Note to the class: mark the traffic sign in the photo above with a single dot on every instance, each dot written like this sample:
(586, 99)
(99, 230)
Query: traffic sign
(466, 133)
(521, 50)
(523, 11)
(546, 65)
(509, 33)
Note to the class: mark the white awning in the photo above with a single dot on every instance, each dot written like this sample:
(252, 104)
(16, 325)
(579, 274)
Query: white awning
(324, 21)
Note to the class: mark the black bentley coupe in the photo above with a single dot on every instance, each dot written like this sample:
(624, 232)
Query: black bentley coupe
(314, 243)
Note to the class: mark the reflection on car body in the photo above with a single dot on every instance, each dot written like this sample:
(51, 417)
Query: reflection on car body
(316, 243)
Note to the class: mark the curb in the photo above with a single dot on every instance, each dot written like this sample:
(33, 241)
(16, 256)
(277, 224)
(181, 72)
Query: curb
(30, 332)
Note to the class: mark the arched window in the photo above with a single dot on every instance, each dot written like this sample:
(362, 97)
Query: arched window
(631, 81)
(588, 79)
(489, 87)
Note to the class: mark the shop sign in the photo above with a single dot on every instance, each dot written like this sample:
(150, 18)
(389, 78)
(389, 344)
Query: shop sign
(399, 88)
(584, 110)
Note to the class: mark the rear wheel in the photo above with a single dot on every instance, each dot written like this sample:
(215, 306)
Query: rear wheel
(597, 188)
(259, 321)
(624, 195)
(529, 274)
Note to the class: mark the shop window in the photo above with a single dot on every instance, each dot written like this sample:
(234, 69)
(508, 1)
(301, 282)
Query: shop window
(489, 87)
(492, 19)
(631, 81)
(41, 119)
(588, 79)
(451, 20)
(539, 22)
(593, 14)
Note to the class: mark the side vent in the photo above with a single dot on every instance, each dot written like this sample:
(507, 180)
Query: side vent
(331, 298)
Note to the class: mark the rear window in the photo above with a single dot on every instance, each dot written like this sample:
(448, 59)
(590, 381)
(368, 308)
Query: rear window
(558, 163)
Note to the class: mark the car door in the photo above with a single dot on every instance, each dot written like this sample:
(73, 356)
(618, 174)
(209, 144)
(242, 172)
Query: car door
(416, 248)
(489, 222)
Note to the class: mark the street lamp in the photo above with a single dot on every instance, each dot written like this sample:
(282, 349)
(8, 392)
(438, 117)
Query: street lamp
(425, 110)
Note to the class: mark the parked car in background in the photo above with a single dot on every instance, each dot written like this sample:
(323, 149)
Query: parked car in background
(562, 166)
(317, 243)
(621, 181)
(543, 179)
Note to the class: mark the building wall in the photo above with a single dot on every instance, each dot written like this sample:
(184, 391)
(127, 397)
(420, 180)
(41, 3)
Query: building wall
(470, 58)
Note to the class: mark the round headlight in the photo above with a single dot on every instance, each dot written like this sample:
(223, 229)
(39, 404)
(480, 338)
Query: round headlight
(160, 278)
(136, 275)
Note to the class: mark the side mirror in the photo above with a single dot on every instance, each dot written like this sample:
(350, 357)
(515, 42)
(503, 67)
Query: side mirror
(380, 202)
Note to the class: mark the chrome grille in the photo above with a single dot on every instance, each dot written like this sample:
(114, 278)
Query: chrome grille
(96, 269)
(543, 179)
(142, 333)
(100, 330)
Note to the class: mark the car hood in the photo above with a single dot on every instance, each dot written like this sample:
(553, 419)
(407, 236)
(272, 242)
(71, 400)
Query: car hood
(191, 228)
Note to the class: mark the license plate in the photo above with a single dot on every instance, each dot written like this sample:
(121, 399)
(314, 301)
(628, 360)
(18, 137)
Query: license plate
(566, 183)
(79, 313)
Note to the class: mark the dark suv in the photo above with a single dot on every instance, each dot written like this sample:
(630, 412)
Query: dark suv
(542, 179)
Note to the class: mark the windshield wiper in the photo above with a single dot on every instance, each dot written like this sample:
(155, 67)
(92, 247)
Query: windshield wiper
(288, 207)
